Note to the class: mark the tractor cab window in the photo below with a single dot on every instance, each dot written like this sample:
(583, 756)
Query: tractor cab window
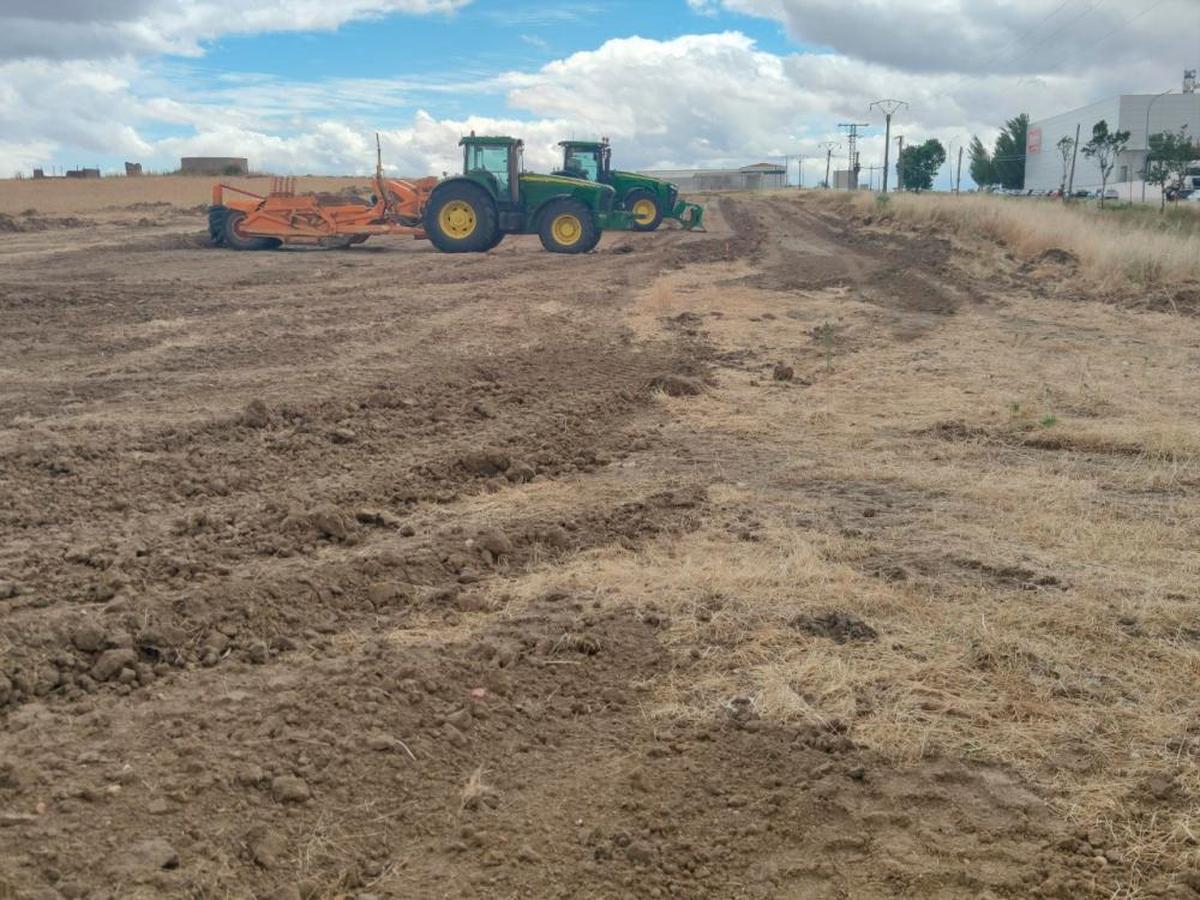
(582, 161)
(492, 159)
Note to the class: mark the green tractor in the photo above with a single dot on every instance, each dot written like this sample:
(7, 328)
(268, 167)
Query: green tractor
(649, 200)
(494, 196)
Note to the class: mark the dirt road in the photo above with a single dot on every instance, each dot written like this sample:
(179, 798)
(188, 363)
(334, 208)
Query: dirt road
(745, 564)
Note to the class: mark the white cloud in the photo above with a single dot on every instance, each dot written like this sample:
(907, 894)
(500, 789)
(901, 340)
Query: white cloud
(710, 99)
(985, 36)
(98, 29)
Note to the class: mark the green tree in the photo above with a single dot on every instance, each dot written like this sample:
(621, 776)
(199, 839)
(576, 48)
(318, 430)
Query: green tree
(1171, 153)
(919, 164)
(1104, 147)
(1008, 158)
(982, 171)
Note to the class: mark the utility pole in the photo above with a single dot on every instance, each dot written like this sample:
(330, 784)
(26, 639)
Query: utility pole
(888, 107)
(852, 151)
(958, 178)
(828, 147)
(1146, 164)
(900, 163)
(1074, 156)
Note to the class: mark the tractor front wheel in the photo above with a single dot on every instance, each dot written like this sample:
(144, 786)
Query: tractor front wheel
(461, 218)
(647, 214)
(234, 238)
(568, 226)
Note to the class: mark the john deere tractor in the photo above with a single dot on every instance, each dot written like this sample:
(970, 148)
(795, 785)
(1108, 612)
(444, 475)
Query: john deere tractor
(649, 200)
(472, 212)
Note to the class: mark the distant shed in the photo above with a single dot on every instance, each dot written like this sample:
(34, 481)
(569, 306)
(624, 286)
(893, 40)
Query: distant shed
(214, 165)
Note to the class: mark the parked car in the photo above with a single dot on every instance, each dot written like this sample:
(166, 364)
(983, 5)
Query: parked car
(1110, 194)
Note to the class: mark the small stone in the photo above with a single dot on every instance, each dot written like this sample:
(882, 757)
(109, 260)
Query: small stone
(290, 789)
(343, 436)
(127, 676)
(8, 590)
(783, 373)
(258, 652)
(111, 662)
(454, 736)
(158, 807)
(468, 576)
(407, 531)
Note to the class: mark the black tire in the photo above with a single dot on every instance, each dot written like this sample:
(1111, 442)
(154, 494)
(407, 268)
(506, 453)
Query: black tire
(236, 241)
(642, 196)
(448, 213)
(216, 224)
(496, 240)
(568, 226)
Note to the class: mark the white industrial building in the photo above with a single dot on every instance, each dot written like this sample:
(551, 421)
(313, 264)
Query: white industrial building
(1139, 114)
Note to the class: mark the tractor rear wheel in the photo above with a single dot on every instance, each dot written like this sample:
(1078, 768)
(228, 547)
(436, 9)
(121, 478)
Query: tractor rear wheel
(234, 238)
(216, 224)
(647, 214)
(461, 218)
(568, 226)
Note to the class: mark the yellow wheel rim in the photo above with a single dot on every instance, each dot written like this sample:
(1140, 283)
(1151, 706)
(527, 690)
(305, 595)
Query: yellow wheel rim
(644, 211)
(567, 230)
(457, 219)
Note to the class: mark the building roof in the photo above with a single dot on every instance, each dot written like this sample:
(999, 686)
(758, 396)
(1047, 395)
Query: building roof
(763, 167)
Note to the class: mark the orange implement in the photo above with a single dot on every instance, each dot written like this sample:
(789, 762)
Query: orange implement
(248, 221)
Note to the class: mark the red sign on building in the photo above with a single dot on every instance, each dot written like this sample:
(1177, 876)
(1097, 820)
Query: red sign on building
(1033, 141)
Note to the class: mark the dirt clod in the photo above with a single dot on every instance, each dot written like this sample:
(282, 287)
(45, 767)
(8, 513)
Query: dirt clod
(290, 789)
(783, 372)
(678, 385)
(839, 627)
(486, 462)
(255, 415)
(148, 856)
(111, 662)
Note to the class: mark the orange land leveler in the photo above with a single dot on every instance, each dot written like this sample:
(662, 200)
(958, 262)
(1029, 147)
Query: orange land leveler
(254, 222)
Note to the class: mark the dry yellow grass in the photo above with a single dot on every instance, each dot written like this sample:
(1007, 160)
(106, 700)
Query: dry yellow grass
(1113, 247)
(1030, 557)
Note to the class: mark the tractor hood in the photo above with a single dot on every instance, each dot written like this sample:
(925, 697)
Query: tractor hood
(644, 180)
(564, 181)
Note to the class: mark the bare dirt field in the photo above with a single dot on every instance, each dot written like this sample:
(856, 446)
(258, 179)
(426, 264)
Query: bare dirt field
(821, 555)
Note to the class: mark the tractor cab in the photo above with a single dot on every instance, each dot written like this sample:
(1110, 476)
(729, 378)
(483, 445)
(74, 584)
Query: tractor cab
(498, 160)
(589, 160)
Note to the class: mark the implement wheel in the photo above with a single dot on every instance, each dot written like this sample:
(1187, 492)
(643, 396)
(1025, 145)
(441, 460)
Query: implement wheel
(461, 218)
(647, 214)
(568, 226)
(234, 238)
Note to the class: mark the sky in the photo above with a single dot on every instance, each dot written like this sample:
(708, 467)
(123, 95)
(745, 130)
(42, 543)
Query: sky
(302, 86)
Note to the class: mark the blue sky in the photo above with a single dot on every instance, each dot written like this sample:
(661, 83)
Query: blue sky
(301, 86)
